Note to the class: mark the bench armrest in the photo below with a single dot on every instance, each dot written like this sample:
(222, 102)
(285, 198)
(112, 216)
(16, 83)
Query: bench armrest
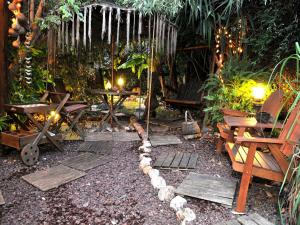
(260, 140)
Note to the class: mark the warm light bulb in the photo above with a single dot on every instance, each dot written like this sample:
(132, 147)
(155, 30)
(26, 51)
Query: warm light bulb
(108, 85)
(121, 82)
(259, 92)
(55, 115)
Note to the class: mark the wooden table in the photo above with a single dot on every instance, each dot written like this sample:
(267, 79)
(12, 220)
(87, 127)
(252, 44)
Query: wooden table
(111, 105)
(248, 122)
(28, 139)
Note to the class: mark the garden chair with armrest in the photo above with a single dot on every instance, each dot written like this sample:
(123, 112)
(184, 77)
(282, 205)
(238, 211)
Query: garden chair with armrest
(272, 106)
(272, 165)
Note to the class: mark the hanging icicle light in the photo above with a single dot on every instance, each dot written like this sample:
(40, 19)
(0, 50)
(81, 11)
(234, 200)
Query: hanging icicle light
(103, 22)
(140, 27)
(118, 17)
(128, 29)
(84, 26)
(73, 32)
(90, 26)
(109, 25)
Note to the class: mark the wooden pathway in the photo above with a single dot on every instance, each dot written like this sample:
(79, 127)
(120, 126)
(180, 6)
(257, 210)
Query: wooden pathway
(179, 160)
(208, 187)
(160, 140)
(53, 177)
(85, 161)
(98, 147)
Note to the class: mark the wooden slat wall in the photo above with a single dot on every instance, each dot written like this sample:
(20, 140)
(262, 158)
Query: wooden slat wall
(3, 59)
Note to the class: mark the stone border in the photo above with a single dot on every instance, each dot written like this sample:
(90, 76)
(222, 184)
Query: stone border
(165, 193)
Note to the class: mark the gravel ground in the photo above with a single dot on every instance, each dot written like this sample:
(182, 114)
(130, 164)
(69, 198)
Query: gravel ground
(117, 192)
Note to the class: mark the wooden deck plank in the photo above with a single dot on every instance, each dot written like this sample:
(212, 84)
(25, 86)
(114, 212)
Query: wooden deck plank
(85, 161)
(185, 160)
(225, 192)
(125, 136)
(193, 161)
(160, 160)
(160, 140)
(169, 159)
(209, 188)
(99, 136)
(208, 179)
(204, 195)
(97, 147)
(177, 160)
(53, 177)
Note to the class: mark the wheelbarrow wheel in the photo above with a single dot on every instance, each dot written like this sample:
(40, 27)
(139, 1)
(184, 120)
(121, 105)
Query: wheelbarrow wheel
(30, 154)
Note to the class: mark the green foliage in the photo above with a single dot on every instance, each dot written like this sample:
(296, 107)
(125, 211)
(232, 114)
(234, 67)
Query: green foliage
(3, 123)
(289, 194)
(58, 11)
(137, 62)
(235, 92)
(136, 58)
(166, 7)
(274, 30)
(20, 91)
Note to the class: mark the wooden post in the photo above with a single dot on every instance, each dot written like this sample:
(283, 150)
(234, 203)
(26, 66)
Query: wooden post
(3, 58)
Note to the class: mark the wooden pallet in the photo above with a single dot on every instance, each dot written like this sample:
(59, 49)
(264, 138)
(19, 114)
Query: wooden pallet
(53, 177)
(208, 187)
(251, 219)
(179, 160)
(97, 147)
(160, 140)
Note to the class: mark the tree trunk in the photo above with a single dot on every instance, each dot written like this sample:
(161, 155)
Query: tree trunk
(3, 56)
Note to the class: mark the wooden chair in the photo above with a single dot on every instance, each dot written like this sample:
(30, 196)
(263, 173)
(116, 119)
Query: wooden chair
(187, 96)
(70, 113)
(272, 165)
(272, 105)
(59, 87)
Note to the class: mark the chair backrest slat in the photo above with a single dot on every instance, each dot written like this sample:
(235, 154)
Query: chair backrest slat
(273, 104)
(291, 131)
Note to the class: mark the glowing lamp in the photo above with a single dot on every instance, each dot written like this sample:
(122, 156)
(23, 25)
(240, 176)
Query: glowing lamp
(121, 82)
(108, 85)
(258, 92)
(55, 115)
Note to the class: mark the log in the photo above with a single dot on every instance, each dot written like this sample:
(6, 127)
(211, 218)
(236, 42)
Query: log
(138, 127)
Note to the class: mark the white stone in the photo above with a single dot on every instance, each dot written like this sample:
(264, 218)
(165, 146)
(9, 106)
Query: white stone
(147, 144)
(158, 182)
(166, 193)
(153, 173)
(146, 169)
(145, 149)
(189, 215)
(144, 155)
(178, 203)
(145, 162)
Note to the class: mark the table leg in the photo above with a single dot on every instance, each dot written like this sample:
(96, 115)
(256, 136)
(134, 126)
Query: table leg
(43, 131)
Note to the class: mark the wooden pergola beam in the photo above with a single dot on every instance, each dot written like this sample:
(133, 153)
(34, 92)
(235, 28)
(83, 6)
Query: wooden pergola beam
(192, 48)
(3, 56)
